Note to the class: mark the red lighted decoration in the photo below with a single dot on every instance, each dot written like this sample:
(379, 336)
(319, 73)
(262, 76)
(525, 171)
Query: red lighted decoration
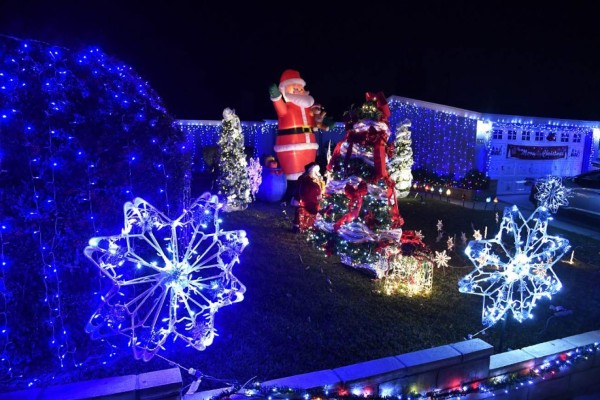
(298, 119)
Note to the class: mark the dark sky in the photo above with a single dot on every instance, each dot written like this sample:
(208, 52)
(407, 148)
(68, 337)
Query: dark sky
(204, 56)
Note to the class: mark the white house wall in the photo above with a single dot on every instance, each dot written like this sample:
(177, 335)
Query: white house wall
(534, 154)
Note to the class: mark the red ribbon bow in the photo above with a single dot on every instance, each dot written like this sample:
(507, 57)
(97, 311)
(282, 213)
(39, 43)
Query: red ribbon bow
(355, 195)
(381, 102)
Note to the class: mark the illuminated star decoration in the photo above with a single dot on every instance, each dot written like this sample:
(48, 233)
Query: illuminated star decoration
(441, 259)
(508, 268)
(552, 194)
(450, 243)
(477, 235)
(440, 225)
(169, 277)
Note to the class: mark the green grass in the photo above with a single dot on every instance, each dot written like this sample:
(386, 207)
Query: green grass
(305, 312)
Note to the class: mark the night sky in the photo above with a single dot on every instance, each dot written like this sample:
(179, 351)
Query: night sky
(203, 58)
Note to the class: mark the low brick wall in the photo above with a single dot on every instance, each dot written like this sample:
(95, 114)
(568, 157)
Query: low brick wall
(465, 365)
(457, 366)
(156, 385)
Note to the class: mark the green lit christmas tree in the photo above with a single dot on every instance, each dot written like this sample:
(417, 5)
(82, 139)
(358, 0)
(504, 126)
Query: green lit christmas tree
(360, 221)
(401, 161)
(360, 218)
(233, 181)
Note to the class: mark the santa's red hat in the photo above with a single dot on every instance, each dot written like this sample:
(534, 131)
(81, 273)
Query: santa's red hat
(289, 77)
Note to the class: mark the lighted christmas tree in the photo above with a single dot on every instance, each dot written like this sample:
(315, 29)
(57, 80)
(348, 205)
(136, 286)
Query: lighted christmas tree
(360, 220)
(233, 182)
(401, 161)
(255, 176)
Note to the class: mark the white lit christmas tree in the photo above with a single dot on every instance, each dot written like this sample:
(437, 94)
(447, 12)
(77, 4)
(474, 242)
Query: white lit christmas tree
(514, 269)
(401, 162)
(255, 176)
(168, 277)
(552, 194)
(233, 182)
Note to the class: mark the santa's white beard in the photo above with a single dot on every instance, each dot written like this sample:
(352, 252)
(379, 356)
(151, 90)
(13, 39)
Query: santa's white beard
(301, 100)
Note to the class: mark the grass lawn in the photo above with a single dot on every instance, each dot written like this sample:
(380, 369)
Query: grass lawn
(304, 311)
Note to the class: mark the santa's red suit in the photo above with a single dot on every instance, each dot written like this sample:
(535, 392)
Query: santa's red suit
(310, 188)
(296, 144)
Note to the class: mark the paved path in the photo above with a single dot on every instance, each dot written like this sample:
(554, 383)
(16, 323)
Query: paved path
(560, 222)
(526, 208)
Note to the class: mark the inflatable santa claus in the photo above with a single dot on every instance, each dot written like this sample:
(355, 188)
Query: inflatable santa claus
(298, 120)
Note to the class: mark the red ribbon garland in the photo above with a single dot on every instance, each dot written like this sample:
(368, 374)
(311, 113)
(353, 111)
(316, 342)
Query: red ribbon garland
(378, 140)
(354, 205)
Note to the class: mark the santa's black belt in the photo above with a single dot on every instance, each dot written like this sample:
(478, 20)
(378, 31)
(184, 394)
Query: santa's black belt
(291, 131)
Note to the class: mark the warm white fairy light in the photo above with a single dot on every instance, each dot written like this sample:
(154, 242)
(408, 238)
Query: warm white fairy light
(552, 194)
(441, 259)
(169, 277)
(408, 275)
(508, 268)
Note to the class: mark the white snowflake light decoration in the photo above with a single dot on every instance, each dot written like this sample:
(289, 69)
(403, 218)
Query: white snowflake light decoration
(441, 259)
(552, 194)
(508, 268)
(440, 225)
(169, 277)
(477, 235)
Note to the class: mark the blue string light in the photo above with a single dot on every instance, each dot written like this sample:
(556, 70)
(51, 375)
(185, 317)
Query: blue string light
(74, 129)
(5, 363)
(446, 141)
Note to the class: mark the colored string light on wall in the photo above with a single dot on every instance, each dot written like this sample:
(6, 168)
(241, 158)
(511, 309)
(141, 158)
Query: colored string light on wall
(507, 385)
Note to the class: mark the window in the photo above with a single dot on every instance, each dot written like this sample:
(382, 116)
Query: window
(577, 138)
(539, 136)
(564, 137)
(497, 134)
(526, 135)
(512, 135)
